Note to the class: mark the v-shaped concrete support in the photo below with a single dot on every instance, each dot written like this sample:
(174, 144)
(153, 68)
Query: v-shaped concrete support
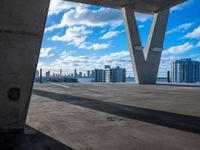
(145, 64)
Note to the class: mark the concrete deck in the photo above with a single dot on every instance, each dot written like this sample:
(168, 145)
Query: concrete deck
(110, 117)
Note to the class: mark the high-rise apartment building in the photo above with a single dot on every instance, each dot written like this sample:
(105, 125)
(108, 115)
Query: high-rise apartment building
(118, 74)
(110, 74)
(75, 73)
(107, 73)
(185, 70)
(99, 75)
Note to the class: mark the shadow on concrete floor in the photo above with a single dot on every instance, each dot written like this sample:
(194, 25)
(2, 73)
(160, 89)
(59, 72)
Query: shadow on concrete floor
(166, 119)
(30, 139)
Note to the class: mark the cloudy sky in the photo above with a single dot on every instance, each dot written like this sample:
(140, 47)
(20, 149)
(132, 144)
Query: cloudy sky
(87, 37)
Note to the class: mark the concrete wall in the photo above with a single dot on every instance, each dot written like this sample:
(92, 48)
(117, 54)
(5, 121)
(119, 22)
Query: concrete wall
(22, 24)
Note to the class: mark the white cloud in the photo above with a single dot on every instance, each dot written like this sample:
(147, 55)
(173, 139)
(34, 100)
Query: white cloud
(41, 65)
(77, 36)
(98, 46)
(74, 35)
(85, 16)
(198, 44)
(115, 57)
(179, 49)
(143, 17)
(141, 26)
(195, 34)
(181, 28)
(94, 18)
(58, 6)
(46, 52)
(110, 34)
(70, 61)
(181, 6)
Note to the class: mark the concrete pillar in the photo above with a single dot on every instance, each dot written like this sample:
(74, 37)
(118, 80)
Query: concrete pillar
(145, 64)
(22, 25)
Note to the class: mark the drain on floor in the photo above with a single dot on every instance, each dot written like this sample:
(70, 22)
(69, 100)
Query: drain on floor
(114, 118)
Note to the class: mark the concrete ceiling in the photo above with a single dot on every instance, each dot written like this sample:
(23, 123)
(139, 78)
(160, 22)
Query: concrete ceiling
(146, 6)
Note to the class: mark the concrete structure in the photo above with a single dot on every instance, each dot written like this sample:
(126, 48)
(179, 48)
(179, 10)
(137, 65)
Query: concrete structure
(145, 64)
(143, 6)
(21, 30)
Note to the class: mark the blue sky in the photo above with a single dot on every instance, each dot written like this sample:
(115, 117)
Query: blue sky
(87, 37)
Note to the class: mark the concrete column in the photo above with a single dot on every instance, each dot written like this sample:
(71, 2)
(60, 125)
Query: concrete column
(145, 64)
(22, 25)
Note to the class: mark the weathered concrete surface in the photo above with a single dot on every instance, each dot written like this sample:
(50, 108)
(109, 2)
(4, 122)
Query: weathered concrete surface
(22, 24)
(115, 116)
(145, 6)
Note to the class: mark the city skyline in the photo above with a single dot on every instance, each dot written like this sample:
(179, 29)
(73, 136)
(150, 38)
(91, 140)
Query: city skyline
(91, 43)
(45, 72)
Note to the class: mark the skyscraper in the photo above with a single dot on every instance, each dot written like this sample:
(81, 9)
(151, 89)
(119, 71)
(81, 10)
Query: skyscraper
(88, 73)
(185, 70)
(75, 73)
(60, 72)
(40, 75)
(107, 73)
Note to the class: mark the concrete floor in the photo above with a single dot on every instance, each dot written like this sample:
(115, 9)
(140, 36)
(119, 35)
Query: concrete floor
(111, 117)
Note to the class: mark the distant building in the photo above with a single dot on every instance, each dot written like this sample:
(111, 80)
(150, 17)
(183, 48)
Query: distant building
(88, 73)
(99, 75)
(110, 74)
(40, 75)
(93, 73)
(80, 74)
(118, 74)
(107, 73)
(60, 72)
(185, 70)
(48, 74)
(37, 74)
(75, 73)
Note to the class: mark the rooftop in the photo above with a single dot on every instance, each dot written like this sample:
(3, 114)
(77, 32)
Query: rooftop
(110, 116)
(145, 6)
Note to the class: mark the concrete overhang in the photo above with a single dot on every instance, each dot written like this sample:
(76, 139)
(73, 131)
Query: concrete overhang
(144, 6)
